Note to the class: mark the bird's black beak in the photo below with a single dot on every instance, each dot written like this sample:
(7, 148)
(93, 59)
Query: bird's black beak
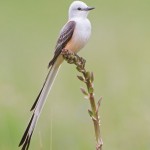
(89, 8)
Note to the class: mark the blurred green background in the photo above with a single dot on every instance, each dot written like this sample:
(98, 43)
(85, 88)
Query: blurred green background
(118, 53)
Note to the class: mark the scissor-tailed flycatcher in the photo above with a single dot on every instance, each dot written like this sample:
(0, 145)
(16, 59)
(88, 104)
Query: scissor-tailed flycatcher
(73, 36)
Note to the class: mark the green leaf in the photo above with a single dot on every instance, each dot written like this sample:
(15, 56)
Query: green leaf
(90, 113)
(84, 91)
(79, 69)
(91, 90)
(94, 118)
(98, 104)
(87, 75)
(99, 101)
(81, 78)
(92, 77)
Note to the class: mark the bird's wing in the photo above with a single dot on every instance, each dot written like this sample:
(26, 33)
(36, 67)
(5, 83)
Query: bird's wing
(65, 36)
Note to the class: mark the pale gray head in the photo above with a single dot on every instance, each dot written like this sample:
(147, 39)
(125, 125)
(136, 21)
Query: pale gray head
(79, 9)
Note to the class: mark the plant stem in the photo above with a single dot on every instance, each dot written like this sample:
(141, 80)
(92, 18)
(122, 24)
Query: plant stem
(88, 79)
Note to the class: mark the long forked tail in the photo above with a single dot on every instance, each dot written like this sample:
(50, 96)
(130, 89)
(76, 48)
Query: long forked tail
(38, 105)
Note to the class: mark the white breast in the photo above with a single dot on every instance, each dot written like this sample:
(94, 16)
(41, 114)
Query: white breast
(81, 34)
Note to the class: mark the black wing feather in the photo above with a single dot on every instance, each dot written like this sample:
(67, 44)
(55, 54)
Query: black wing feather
(63, 39)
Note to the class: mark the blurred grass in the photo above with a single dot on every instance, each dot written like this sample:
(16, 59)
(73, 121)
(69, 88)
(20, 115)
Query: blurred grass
(117, 53)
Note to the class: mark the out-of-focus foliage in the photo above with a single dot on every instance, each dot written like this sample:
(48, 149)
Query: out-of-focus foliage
(118, 54)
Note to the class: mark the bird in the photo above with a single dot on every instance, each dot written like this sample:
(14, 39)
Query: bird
(73, 36)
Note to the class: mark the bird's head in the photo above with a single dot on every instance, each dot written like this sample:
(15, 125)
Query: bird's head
(79, 9)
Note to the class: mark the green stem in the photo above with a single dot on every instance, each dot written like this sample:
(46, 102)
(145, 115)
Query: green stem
(95, 114)
(87, 78)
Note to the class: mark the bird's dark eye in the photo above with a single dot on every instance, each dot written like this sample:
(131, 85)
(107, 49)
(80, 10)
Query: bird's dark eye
(79, 8)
